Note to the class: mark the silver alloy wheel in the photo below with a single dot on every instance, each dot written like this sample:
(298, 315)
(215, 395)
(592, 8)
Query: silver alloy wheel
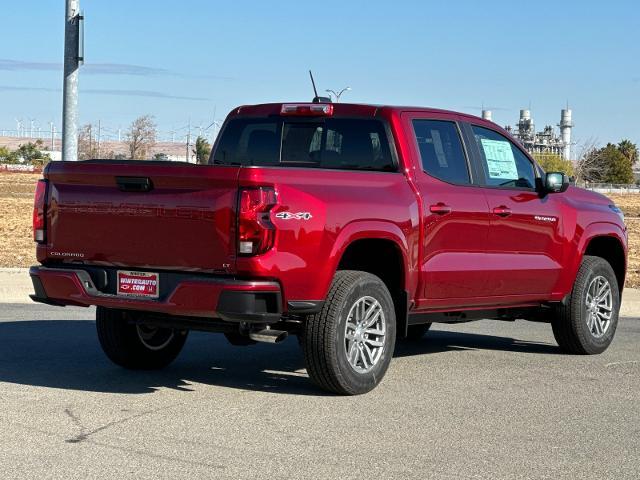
(364, 334)
(599, 301)
(154, 338)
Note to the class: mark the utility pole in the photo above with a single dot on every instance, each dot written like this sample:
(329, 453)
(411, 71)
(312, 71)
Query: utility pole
(52, 135)
(188, 139)
(98, 154)
(73, 55)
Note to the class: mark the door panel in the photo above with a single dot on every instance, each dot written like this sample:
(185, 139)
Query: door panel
(524, 246)
(453, 243)
(455, 215)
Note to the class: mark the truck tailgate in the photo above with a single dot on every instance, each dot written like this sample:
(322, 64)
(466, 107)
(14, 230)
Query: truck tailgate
(147, 215)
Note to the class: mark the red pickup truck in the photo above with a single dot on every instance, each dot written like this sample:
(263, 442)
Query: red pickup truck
(346, 225)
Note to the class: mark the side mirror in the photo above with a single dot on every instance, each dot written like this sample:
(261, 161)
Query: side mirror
(555, 182)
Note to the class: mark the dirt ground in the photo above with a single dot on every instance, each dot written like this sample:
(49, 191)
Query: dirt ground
(16, 209)
(16, 204)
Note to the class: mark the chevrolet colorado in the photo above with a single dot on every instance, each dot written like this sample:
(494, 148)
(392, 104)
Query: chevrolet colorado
(346, 225)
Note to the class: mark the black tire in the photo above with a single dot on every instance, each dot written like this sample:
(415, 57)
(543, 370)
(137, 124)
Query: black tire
(324, 336)
(415, 333)
(122, 341)
(569, 324)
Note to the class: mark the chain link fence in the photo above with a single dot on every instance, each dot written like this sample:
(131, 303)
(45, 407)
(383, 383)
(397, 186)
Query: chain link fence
(611, 187)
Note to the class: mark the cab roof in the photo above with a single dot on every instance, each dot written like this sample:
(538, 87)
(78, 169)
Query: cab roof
(358, 109)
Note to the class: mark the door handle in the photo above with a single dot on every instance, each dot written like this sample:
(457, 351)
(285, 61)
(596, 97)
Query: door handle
(440, 209)
(502, 211)
(134, 184)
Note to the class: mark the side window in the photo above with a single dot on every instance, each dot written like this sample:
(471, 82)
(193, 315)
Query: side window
(441, 150)
(504, 164)
(356, 144)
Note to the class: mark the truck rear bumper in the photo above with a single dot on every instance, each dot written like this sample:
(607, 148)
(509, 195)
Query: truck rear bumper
(228, 299)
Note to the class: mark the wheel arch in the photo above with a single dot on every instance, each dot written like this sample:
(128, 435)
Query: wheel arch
(594, 239)
(382, 252)
(601, 239)
(611, 249)
(378, 256)
(364, 234)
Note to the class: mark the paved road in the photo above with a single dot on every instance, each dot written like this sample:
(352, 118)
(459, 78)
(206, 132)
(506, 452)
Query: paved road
(482, 400)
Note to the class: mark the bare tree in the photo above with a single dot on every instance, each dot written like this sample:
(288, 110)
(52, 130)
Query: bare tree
(87, 148)
(141, 137)
(590, 167)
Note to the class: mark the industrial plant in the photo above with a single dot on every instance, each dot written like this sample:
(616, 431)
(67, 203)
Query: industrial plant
(549, 140)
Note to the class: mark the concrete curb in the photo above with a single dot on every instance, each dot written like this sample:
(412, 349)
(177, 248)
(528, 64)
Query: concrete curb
(15, 287)
(630, 303)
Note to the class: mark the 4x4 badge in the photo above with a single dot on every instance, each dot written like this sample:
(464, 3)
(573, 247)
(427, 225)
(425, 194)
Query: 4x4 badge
(294, 216)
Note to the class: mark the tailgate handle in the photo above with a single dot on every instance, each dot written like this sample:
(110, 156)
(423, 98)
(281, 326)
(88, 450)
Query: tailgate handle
(134, 184)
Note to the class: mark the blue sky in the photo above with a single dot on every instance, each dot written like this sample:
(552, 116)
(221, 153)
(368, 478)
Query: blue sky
(176, 60)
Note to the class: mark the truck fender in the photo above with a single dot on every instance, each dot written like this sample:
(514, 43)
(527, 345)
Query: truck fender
(375, 230)
(578, 248)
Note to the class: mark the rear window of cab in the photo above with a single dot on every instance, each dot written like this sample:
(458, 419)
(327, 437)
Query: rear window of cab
(334, 143)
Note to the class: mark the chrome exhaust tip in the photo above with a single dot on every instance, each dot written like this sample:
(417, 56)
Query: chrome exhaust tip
(268, 335)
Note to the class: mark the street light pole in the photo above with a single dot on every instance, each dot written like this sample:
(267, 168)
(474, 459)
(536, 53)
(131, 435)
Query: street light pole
(338, 94)
(70, 85)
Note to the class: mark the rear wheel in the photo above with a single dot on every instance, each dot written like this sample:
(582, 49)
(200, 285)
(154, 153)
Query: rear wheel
(587, 322)
(348, 345)
(137, 346)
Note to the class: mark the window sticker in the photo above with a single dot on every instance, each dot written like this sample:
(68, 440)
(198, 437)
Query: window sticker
(500, 160)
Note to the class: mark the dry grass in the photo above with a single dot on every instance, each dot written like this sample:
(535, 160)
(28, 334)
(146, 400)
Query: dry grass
(628, 202)
(16, 207)
(633, 270)
(18, 250)
(630, 205)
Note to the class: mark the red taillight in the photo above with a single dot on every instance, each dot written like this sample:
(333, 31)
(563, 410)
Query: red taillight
(256, 233)
(39, 212)
(307, 109)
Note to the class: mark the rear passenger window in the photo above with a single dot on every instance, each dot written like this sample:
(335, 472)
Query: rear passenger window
(441, 150)
(504, 164)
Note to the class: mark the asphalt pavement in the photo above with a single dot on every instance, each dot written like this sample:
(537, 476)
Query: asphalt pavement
(480, 400)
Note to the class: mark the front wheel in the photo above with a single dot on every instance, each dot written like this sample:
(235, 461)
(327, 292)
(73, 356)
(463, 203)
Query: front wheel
(137, 346)
(348, 345)
(587, 322)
